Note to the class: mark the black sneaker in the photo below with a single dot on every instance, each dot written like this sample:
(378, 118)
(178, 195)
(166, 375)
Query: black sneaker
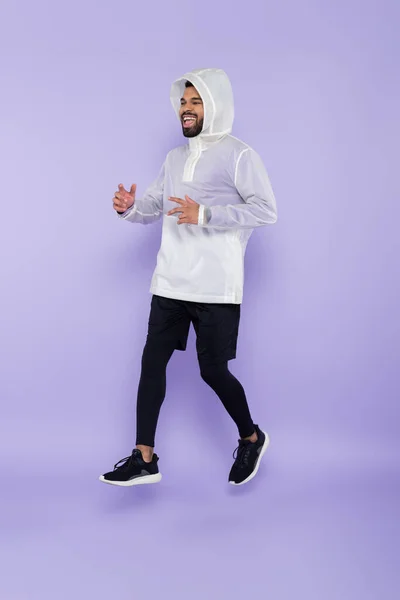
(248, 458)
(133, 470)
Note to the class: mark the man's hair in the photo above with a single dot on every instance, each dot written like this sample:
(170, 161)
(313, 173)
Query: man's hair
(188, 84)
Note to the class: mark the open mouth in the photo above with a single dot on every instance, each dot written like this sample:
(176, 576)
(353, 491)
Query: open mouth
(188, 121)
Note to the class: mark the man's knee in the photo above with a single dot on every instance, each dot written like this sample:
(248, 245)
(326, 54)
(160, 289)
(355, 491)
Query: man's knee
(155, 357)
(211, 371)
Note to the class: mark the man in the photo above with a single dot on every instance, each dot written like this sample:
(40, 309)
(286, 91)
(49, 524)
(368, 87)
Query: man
(211, 193)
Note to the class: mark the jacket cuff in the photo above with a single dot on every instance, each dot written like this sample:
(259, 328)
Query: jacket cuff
(127, 212)
(204, 215)
(201, 214)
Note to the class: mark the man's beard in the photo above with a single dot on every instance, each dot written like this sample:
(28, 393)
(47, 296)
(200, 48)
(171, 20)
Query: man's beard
(193, 131)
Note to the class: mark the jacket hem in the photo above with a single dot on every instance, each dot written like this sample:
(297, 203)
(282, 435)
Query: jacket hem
(210, 298)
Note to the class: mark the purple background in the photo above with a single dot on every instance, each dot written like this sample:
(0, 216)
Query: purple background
(84, 106)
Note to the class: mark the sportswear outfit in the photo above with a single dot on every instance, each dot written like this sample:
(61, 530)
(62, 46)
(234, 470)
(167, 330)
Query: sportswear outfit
(199, 273)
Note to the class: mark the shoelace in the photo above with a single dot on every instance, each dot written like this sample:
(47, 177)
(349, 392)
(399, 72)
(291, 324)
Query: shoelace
(127, 461)
(242, 453)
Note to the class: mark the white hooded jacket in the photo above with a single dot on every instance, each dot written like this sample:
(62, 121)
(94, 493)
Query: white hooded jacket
(204, 262)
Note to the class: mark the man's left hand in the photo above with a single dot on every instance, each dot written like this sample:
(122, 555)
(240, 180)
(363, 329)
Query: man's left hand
(189, 210)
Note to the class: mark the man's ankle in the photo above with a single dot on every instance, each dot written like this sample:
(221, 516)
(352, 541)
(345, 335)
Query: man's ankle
(147, 452)
(252, 438)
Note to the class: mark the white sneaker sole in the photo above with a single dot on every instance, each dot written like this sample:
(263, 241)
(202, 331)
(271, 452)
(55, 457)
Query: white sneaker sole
(254, 473)
(146, 479)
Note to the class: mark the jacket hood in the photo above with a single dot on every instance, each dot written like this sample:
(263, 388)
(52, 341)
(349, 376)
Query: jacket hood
(215, 90)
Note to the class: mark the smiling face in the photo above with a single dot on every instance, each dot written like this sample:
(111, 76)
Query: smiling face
(191, 112)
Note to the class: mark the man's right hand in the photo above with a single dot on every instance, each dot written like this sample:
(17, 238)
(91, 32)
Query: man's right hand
(122, 199)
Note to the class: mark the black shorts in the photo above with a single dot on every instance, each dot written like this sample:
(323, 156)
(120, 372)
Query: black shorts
(216, 327)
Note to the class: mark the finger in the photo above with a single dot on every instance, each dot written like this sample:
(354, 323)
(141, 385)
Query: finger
(175, 210)
(178, 200)
(121, 188)
(119, 198)
(124, 197)
(119, 205)
(189, 200)
(133, 189)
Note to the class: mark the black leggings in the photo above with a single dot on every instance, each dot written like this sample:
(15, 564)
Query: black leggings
(152, 389)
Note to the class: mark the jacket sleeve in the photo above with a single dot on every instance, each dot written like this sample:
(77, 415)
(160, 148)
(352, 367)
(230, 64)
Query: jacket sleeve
(253, 185)
(148, 209)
